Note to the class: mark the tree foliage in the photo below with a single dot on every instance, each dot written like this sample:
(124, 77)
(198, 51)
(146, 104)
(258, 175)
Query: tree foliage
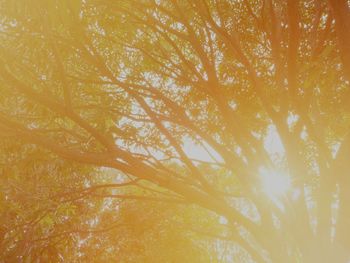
(126, 85)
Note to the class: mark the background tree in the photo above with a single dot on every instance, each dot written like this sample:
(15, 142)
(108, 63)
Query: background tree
(127, 84)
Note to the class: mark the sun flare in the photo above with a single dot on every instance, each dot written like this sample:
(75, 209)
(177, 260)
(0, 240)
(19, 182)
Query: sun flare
(275, 184)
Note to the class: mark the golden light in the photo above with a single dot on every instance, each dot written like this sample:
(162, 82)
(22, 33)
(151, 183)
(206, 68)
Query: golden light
(275, 184)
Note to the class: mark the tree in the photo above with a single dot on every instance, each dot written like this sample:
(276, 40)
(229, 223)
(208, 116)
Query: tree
(53, 210)
(124, 85)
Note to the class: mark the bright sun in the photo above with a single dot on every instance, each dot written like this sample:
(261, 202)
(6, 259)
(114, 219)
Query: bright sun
(274, 184)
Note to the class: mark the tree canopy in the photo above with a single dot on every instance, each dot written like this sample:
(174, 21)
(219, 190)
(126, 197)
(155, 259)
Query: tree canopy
(143, 130)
